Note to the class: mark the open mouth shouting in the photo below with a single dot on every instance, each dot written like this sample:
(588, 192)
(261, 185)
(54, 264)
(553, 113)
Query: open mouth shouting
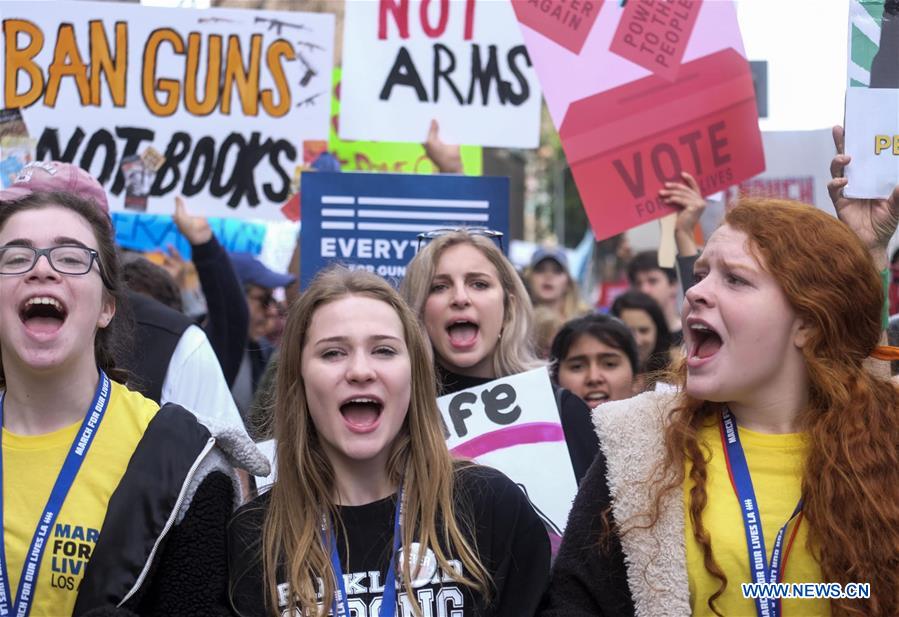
(362, 414)
(463, 334)
(705, 342)
(42, 315)
(594, 398)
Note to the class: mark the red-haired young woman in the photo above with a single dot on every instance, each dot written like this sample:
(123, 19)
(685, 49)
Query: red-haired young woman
(778, 460)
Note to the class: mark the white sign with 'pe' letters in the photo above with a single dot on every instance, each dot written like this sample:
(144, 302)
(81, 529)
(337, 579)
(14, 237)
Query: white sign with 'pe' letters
(512, 424)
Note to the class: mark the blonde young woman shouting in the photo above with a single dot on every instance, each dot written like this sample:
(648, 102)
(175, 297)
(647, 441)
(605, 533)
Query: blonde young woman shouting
(478, 317)
(370, 515)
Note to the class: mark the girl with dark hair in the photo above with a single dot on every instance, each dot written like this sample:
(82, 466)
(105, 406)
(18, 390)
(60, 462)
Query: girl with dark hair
(109, 503)
(366, 484)
(647, 323)
(776, 460)
(595, 357)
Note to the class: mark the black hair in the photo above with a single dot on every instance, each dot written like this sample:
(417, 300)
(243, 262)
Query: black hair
(608, 330)
(111, 341)
(659, 359)
(644, 262)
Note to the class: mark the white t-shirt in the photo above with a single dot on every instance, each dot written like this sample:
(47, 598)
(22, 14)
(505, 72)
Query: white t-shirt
(195, 381)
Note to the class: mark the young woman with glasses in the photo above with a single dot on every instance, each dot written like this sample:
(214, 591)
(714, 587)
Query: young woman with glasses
(479, 319)
(106, 499)
(370, 515)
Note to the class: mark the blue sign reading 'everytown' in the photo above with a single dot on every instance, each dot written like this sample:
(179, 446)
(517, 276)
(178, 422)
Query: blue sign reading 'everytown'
(372, 221)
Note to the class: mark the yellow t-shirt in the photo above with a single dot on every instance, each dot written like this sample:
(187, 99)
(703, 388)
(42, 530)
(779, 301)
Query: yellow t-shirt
(775, 463)
(30, 467)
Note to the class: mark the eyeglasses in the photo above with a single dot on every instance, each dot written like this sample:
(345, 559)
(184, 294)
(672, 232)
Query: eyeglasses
(67, 259)
(426, 236)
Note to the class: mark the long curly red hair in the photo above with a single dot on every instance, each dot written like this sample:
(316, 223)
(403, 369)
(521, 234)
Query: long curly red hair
(850, 484)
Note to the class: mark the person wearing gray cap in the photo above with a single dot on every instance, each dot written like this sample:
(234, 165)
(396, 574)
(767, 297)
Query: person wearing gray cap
(550, 284)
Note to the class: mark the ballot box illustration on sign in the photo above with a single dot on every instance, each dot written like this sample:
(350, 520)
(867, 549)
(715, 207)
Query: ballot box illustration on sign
(705, 123)
(640, 92)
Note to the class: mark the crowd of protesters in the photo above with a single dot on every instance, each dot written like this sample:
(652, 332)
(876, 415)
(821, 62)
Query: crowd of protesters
(756, 413)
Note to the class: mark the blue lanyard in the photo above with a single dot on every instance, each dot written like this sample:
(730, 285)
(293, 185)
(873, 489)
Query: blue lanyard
(761, 571)
(341, 607)
(64, 481)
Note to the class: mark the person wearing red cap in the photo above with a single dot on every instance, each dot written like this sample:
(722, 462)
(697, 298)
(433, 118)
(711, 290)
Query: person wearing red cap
(173, 360)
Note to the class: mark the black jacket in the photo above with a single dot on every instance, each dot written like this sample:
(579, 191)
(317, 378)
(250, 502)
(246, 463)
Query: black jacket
(157, 330)
(643, 571)
(588, 581)
(162, 548)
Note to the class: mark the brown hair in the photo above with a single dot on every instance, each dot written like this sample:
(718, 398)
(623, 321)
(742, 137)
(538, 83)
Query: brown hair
(305, 487)
(109, 342)
(850, 482)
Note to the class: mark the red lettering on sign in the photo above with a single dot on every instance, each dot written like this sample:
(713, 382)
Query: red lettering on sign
(654, 34)
(432, 25)
(567, 22)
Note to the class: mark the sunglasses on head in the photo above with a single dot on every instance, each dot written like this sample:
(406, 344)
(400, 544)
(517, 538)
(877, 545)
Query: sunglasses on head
(426, 236)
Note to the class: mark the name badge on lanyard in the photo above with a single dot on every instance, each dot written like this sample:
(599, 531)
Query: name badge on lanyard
(77, 453)
(738, 470)
(341, 607)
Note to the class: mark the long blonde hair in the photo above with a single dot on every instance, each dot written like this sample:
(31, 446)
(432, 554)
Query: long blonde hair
(303, 493)
(515, 350)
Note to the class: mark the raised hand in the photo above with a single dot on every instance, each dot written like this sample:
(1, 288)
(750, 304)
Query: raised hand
(446, 157)
(195, 228)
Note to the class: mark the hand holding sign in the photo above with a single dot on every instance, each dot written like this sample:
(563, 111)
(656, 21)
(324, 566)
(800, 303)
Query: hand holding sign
(873, 220)
(689, 199)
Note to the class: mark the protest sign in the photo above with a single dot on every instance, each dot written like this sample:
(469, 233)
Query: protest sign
(797, 167)
(16, 148)
(152, 232)
(406, 62)
(872, 99)
(398, 158)
(512, 424)
(674, 94)
(224, 97)
(372, 221)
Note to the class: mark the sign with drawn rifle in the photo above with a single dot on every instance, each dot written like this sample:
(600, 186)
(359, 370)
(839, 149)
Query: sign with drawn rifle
(213, 104)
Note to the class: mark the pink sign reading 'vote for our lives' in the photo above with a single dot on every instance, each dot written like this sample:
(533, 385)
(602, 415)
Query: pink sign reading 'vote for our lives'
(639, 94)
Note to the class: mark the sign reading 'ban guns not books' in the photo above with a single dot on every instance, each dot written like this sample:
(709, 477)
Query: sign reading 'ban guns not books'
(225, 96)
(639, 94)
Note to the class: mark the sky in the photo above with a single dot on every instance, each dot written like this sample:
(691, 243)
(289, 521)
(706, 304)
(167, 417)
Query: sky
(805, 43)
